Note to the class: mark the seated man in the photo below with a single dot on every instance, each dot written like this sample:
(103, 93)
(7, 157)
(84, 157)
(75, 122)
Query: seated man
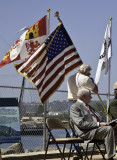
(88, 125)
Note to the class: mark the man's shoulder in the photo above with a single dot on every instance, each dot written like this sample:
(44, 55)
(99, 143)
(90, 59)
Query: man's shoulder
(72, 77)
(82, 76)
(77, 104)
(114, 101)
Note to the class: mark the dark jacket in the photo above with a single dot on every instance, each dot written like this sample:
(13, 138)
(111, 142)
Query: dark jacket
(113, 109)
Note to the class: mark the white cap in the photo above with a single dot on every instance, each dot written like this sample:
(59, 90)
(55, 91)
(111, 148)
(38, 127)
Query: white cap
(84, 68)
(115, 85)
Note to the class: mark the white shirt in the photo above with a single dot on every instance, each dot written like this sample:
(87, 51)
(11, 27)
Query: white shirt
(76, 81)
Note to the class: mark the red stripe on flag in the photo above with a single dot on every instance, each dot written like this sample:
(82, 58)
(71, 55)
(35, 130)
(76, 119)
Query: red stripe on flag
(37, 67)
(53, 88)
(57, 84)
(61, 68)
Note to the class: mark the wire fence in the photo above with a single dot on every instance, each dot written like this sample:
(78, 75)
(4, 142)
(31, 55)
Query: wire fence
(32, 113)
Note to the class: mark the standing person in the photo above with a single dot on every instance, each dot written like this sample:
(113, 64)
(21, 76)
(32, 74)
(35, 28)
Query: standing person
(87, 123)
(112, 111)
(82, 78)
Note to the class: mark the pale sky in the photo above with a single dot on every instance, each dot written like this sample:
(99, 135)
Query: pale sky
(85, 22)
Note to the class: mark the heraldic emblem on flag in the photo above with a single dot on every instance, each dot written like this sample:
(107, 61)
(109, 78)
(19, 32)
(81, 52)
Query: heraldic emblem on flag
(47, 67)
(28, 42)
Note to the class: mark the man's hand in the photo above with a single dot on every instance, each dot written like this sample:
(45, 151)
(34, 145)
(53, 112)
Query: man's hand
(104, 124)
(95, 89)
(115, 126)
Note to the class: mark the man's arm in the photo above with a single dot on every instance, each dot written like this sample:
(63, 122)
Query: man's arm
(77, 114)
(95, 89)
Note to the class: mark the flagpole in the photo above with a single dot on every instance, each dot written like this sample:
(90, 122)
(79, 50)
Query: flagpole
(104, 62)
(108, 100)
(21, 96)
(109, 66)
(56, 14)
(45, 132)
(104, 107)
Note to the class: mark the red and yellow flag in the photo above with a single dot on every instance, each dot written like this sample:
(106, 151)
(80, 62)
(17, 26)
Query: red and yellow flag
(28, 42)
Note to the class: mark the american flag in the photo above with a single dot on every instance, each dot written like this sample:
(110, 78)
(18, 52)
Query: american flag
(48, 66)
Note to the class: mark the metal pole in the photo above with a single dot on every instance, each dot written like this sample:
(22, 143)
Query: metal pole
(109, 66)
(21, 96)
(45, 132)
(108, 99)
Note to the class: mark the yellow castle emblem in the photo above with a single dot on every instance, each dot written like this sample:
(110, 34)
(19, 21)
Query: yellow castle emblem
(33, 32)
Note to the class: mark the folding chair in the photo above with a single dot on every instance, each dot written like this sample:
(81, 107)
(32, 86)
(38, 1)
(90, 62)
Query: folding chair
(96, 143)
(53, 124)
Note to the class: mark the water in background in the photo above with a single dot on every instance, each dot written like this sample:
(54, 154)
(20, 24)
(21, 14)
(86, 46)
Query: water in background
(31, 142)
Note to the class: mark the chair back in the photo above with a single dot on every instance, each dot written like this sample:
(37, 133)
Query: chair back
(55, 123)
(71, 124)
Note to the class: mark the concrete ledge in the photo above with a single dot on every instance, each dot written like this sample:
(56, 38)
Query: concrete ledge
(33, 155)
(38, 155)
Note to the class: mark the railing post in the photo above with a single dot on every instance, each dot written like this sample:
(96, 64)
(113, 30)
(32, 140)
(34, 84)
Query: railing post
(45, 133)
